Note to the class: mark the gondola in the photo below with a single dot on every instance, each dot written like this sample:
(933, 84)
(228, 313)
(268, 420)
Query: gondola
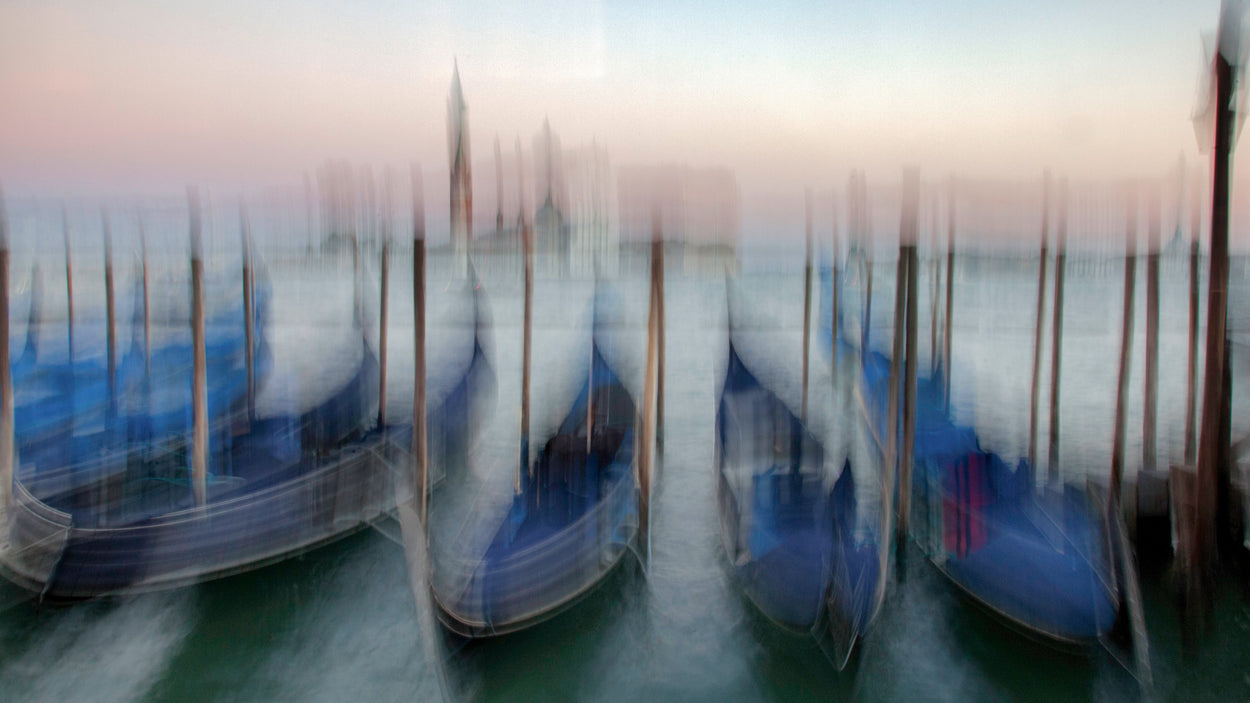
(572, 516)
(287, 483)
(804, 548)
(1040, 560)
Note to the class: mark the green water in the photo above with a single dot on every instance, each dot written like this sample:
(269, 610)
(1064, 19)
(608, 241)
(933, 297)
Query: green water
(342, 624)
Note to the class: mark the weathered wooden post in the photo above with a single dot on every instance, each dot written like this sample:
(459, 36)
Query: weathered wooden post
(199, 389)
(935, 271)
(1191, 374)
(950, 301)
(419, 457)
(909, 234)
(527, 246)
(807, 301)
(1056, 333)
(147, 301)
(833, 323)
(6, 377)
(1151, 401)
(651, 386)
(1126, 351)
(245, 245)
(1211, 476)
(657, 268)
(69, 288)
(384, 302)
(1043, 260)
(109, 322)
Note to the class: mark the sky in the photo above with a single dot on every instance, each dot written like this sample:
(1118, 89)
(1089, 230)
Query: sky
(148, 96)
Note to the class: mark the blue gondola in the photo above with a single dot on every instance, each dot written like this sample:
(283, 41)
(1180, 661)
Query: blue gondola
(287, 484)
(569, 522)
(1042, 561)
(789, 518)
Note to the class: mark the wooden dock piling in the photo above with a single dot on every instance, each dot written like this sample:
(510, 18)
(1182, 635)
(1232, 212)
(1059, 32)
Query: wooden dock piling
(245, 244)
(909, 234)
(6, 377)
(1150, 406)
(1039, 329)
(384, 296)
(1126, 351)
(1191, 374)
(1201, 554)
(419, 457)
(69, 287)
(807, 302)
(110, 334)
(199, 389)
(948, 328)
(1056, 335)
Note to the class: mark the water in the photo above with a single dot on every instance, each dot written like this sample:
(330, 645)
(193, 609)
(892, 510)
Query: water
(342, 623)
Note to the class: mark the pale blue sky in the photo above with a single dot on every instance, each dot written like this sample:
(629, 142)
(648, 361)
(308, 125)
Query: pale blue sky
(112, 95)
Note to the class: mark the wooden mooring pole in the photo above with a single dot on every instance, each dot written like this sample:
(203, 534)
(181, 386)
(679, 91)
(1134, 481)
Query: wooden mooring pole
(245, 248)
(6, 377)
(1191, 374)
(147, 300)
(1212, 478)
(1126, 351)
(527, 245)
(833, 303)
(1150, 406)
(1056, 333)
(948, 329)
(69, 287)
(419, 457)
(651, 400)
(909, 234)
(1039, 329)
(384, 297)
(807, 302)
(110, 332)
(199, 390)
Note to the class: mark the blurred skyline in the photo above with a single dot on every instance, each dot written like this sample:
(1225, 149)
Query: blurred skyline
(146, 97)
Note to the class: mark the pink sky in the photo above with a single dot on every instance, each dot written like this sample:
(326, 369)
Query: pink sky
(150, 96)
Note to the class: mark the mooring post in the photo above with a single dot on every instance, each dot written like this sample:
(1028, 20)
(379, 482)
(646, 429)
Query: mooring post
(833, 326)
(6, 377)
(892, 463)
(419, 458)
(199, 389)
(245, 247)
(807, 301)
(1150, 407)
(147, 301)
(69, 288)
(1043, 260)
(657, 255)
(1126, 351)
(527, 246)
(948, 327)
(651, 385)
(909, 234)
(109, 322)
(935, 266)
(1211, 475)
(384, 295)
(1191, 374)
(1056, 333)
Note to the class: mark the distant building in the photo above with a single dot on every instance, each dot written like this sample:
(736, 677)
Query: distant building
(551, 232)
(699, 213)
(594, 238)
(461, 175)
